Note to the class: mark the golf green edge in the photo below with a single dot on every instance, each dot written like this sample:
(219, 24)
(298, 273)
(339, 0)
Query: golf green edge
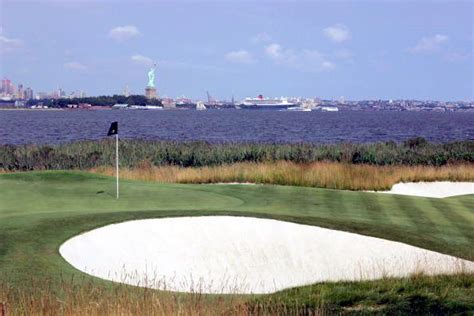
(40, 210)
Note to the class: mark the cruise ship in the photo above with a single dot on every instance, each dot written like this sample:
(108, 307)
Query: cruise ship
(263, 103)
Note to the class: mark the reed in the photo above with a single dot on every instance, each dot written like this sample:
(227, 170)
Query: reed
(90, 154)
(329, 175)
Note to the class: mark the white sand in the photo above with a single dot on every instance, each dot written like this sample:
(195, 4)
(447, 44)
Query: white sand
(233, 183)
(225, 254)
(437, 189)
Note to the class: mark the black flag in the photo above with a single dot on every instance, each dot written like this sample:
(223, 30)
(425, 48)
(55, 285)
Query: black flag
(113, 130)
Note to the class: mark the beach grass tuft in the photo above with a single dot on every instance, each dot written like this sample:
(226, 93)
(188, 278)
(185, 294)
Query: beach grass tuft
(324, 174)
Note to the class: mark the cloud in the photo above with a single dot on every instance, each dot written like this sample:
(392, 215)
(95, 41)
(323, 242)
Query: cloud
(337, 33)
(240, 56)
(74, 65)
(429, 44)
(8, 45)
(306, 60)
(262, 37)
(273, 51)
(123, 33)
(455, 57)
(327, 65)
(142, 60)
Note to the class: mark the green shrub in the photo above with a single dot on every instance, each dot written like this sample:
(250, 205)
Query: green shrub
(90, 154)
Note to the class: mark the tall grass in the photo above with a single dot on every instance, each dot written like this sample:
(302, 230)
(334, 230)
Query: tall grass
(317, 174)
(87, 297)
(90, 154)
(414, 295)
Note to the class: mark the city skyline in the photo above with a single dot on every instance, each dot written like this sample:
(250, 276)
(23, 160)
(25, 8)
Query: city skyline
(312, 49)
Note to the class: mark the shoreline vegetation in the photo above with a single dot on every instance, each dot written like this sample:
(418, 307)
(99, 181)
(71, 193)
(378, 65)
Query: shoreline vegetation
(329, 175)
(85, 155)
(372, 166)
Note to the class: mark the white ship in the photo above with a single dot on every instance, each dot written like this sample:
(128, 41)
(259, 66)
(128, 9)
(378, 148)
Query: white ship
(266, 103)
(298, 109)
(200, 106)
(145, 107)
(329, 109)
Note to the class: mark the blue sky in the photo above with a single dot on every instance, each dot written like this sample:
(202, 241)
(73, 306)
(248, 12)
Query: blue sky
(326, 49)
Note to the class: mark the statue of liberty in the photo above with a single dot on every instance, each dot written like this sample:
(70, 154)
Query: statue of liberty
(151, 77)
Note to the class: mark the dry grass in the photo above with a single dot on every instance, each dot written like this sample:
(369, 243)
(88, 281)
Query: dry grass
(89, 298)
(331, 175)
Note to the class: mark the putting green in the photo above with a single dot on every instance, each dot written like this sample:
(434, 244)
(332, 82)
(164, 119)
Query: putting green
(40, 210)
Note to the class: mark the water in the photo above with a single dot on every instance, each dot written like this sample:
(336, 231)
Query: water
(51, 127)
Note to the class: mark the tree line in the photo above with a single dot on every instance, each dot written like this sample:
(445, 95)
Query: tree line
(103, 100)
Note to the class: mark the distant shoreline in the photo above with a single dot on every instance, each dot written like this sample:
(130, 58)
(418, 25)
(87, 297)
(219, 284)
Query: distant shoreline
(54, 109)
(27, 109)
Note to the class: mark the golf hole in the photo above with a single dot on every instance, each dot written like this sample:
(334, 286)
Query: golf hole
(228, 254)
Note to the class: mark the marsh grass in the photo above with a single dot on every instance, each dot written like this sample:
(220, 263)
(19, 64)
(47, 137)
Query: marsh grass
(91, 154)
(331, 175)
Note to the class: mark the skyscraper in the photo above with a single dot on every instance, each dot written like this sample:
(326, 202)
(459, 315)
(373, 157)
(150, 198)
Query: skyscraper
(6, 86)
(21, 93)
(28, 93)
(12, 90)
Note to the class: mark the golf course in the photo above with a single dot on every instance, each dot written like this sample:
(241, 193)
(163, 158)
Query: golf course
(40, 210)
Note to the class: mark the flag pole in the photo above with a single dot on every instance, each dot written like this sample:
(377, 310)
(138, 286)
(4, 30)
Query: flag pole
(117, 163)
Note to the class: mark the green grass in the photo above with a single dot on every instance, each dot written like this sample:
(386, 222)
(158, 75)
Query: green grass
(40, 210)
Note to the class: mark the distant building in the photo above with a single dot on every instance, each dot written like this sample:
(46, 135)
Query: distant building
(12, 91)
(28, 94)
(20, 94)
(41, 95)
(168, 102)
(6, 86)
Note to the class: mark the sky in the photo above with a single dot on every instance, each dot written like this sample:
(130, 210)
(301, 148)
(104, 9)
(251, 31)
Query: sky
(327, 49)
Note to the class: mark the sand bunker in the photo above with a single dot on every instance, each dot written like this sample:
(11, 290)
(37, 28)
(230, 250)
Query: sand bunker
(225, 254)
(233, 183)
(438, 189)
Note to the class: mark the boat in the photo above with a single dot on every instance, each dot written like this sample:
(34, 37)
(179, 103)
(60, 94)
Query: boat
(153, 107)
(297, 109)
(145, 107)
(200, 106)
(329, 109)
(262, 103)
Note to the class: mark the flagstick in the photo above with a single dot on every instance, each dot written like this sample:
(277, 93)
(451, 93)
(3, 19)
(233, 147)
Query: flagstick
(117, 163)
